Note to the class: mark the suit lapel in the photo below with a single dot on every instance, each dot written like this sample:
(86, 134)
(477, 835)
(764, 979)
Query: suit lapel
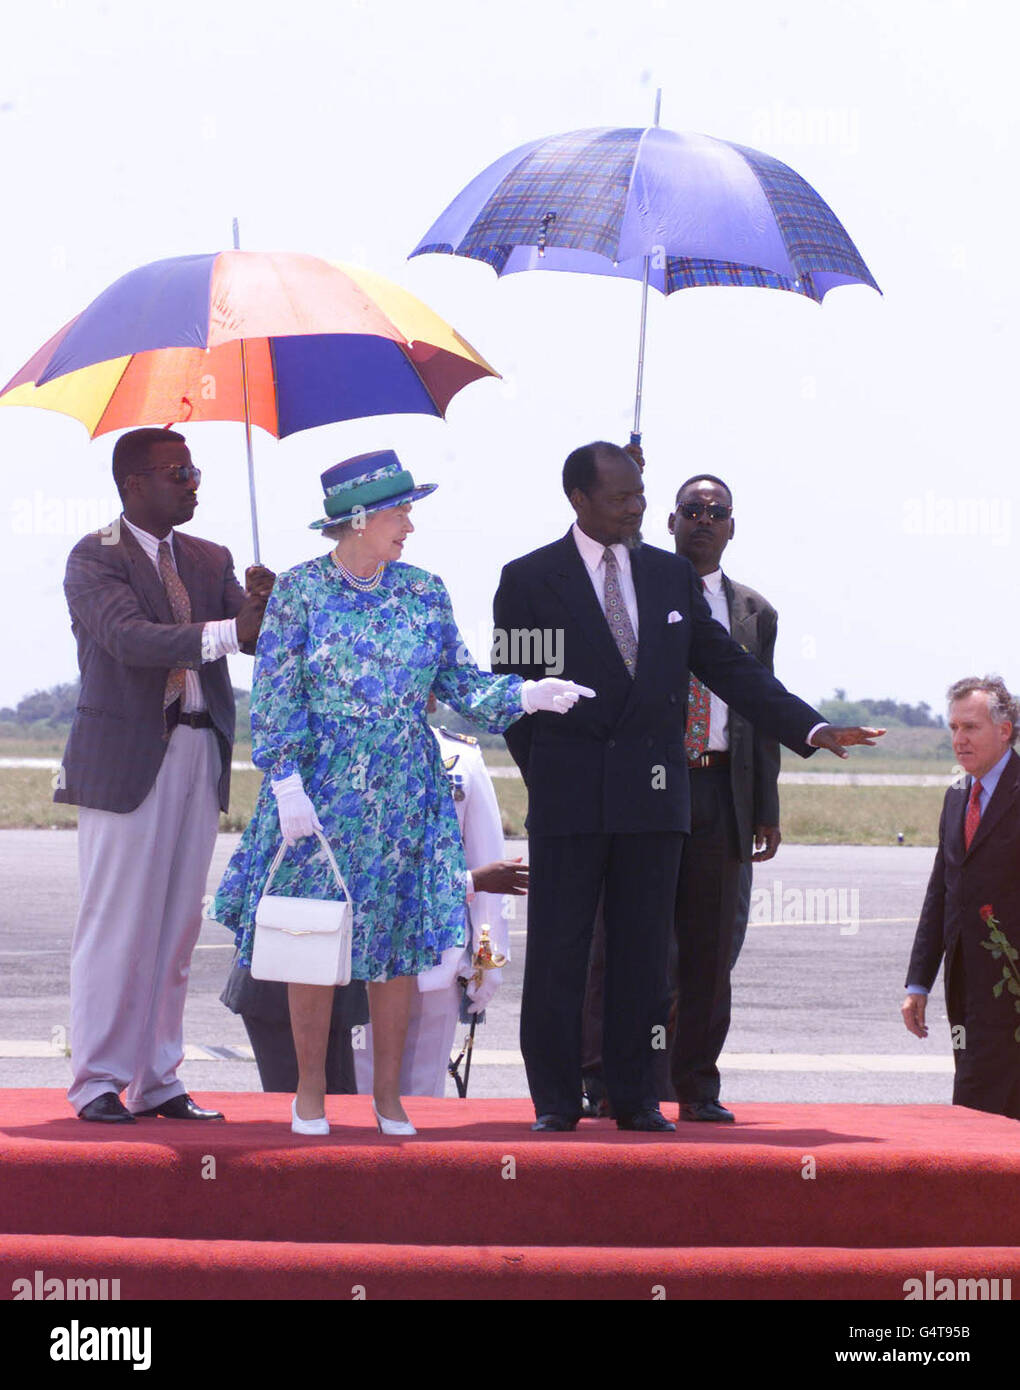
(191, 572)
(743, 628)
(145, 577)
(569, 577)
(956, 809)
(1002, 798)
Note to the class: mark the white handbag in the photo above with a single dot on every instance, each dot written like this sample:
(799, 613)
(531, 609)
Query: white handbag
(305, 941)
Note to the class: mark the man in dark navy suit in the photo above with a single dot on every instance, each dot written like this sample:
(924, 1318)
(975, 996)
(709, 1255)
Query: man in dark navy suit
(976, 875)
(609, 801)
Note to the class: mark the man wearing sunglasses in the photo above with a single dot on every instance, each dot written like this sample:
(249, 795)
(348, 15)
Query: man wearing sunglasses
(155, 613)
(734, 776)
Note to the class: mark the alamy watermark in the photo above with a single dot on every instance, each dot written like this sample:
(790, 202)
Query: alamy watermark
(932, 515)
(44, 514)
(836, 127)
(777, 906)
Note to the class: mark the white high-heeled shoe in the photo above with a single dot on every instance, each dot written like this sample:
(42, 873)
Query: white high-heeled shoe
(300, 1126)
(387, 1126)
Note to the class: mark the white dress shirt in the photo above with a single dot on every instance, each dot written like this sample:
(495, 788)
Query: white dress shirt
(219, 637)
(593, 555)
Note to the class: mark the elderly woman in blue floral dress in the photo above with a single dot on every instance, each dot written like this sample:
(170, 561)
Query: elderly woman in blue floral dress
(351, 645)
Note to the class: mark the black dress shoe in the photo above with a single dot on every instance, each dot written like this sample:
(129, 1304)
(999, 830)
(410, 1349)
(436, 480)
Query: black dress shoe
(648, 1120)
(546, 1124)
(709, 1110)
(107, 1109)
(179, 1108)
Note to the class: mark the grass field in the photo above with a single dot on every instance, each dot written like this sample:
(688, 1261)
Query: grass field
(810, 815)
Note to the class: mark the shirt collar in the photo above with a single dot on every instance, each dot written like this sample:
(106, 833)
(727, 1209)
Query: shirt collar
(149, 543)
(592, 552)
(713, 582)
(991, 778)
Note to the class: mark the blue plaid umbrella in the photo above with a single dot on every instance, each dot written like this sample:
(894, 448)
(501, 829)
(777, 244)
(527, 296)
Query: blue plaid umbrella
(672, 210)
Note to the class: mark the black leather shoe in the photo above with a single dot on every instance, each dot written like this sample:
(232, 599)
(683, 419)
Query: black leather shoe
(179, 1108)
(107, 1109)
(648, 1120)
(546, 1124)
(709, 1110)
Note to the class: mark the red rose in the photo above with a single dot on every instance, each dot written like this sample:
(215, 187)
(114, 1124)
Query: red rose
(987, 912)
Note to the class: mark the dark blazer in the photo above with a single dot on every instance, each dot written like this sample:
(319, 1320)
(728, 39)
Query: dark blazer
(950, 927)
(754, 759)
(963, 881)
(128, 642)
(616, 764)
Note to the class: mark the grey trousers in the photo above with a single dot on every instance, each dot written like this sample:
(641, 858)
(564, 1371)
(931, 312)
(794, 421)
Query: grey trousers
(142, 876)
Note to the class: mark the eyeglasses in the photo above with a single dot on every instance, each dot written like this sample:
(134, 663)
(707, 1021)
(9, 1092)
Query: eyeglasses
(694, 511)
(179, 472)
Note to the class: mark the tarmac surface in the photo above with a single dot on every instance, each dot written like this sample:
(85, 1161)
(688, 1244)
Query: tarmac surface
(817, 988)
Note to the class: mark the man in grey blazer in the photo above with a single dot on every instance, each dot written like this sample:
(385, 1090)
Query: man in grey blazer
(734, 774)
(155, 614)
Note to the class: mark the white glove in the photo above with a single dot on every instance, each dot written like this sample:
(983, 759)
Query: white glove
(297, 814)
(555, 696)
(483, 994)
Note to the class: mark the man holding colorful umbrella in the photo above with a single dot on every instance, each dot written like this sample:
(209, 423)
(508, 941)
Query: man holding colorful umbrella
(155, 613)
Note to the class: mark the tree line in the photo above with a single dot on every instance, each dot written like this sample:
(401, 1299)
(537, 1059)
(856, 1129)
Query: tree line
(53, 709)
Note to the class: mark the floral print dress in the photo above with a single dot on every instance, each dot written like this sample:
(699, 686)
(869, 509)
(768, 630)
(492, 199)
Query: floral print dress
(341, 682)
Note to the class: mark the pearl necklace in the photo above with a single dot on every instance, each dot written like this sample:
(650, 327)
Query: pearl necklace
(357, 581)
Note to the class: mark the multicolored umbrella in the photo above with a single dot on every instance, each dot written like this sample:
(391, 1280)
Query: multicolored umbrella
(672, 210)
(283, 340)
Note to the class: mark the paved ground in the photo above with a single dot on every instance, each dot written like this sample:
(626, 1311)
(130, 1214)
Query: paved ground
(816, 991)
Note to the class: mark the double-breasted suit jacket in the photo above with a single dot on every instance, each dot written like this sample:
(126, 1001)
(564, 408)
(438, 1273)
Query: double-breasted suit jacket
(951, 928)
(598, 770)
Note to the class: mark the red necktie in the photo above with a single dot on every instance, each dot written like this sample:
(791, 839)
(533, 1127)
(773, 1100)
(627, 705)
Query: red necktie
(973, 817)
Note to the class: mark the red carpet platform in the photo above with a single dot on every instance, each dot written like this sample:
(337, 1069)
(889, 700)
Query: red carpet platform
(791, 1202)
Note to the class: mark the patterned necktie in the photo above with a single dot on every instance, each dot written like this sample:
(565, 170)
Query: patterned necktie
(699, 709)
(973, 817)
(180, 606)
(617, 616)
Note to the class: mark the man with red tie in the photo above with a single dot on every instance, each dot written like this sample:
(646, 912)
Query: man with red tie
(734, 775)
(976, 876)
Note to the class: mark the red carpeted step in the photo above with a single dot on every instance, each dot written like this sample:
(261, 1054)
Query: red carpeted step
(475, 1175)
(203, 1269)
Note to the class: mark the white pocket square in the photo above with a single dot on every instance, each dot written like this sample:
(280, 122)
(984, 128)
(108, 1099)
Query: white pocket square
(674, 617)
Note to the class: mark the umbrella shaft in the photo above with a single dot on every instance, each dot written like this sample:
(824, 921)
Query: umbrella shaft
(636, 432)
(251, 457)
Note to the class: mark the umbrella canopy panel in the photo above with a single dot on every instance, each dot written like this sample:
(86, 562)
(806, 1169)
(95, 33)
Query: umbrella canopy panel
(323, 342)
(704, 211)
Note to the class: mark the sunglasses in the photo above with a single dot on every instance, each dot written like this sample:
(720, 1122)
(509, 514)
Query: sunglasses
(179, 472)
(694, 511)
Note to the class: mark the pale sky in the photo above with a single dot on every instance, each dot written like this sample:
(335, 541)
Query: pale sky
(870, 443)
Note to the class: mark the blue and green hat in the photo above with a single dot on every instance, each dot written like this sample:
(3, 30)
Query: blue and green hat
(367, 483)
